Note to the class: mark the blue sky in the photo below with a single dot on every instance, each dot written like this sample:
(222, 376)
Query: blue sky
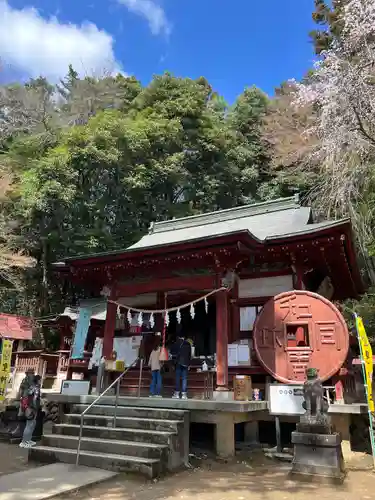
(233, 44)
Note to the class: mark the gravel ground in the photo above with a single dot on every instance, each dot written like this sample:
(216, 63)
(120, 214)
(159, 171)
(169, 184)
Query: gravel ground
(246, 478)
(13, 459)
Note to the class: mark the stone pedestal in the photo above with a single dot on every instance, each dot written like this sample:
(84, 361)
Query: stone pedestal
(224, 436)
(252, 433)
(317, 452)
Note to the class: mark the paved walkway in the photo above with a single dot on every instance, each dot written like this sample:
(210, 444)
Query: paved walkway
(48, 481)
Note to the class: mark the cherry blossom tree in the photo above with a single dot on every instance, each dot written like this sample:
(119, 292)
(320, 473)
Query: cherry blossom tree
(342, 89)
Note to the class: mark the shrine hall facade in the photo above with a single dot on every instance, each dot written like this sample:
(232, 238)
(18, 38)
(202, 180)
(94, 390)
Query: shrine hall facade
(244, 255)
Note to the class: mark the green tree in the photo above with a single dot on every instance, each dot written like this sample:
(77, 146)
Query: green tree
(328, 16)
(222, 152)
(364, 307)
(250, 152)
(116, 156)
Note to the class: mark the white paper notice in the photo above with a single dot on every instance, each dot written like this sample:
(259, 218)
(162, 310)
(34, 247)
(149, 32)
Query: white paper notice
(232, 355)
(244, 355)
(96, 353)
(136, 341)
(247, 318)
(124, 348)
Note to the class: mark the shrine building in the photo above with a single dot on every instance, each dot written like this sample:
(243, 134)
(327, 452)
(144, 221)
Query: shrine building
(253, 287)
(245, 256)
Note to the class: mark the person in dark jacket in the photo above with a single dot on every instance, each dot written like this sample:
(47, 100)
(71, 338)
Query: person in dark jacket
(30, 405)
(181, 353)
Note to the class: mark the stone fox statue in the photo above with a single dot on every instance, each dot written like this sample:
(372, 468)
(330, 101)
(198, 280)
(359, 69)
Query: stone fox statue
(313, 393)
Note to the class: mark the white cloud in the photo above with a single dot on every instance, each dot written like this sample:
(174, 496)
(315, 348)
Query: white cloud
(152, 12)
(38, 46)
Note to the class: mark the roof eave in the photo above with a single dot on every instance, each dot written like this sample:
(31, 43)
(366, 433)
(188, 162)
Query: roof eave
(343, 224)
(197, 243)
(343, 227)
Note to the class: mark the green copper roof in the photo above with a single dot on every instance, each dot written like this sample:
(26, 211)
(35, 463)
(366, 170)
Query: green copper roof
(274, 219)
(264, 221)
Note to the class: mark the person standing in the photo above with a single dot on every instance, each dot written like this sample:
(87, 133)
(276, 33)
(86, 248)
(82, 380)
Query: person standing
(25, 384)
(30, 406)
(155, 365)
(181, 351)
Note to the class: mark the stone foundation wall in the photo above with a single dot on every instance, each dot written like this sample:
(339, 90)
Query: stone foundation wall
(360, 434)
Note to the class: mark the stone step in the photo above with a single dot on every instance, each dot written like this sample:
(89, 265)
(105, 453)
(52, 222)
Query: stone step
(119, 433)
(150, 467)
(127, 422)
(110, 446)
(132, 411)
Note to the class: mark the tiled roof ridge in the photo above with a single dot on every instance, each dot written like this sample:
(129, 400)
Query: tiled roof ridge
(276, 205)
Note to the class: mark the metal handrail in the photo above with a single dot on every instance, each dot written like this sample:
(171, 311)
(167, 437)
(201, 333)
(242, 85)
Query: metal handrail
(117, 381)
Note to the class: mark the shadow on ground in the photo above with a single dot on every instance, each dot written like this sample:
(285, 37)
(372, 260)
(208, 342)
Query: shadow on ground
(254, 478)
(251, 476)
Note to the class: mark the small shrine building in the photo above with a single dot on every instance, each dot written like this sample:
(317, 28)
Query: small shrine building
(18, 329)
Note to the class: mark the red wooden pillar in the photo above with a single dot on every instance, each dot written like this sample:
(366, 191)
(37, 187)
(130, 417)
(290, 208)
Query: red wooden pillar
(222, 323)
(298, 271)
(234, 333)
(299, 278)
(298, 275)
(109, 329)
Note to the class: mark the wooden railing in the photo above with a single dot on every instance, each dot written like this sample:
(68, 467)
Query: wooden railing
(29, 360)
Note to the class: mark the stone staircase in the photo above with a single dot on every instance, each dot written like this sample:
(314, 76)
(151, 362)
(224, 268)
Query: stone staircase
(151, 441)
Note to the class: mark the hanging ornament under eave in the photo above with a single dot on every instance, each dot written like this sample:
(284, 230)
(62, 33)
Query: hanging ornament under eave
(129, 317)
(206, 304)
(140, 319)
(178, 316)
(192, 311)
(152, 320)
(166, 318)
(119, 312)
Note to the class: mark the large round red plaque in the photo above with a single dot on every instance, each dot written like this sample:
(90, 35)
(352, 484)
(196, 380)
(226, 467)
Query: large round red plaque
(298, 330)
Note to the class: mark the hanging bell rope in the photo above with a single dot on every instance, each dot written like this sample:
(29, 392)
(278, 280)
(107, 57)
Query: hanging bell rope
(164, 353)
